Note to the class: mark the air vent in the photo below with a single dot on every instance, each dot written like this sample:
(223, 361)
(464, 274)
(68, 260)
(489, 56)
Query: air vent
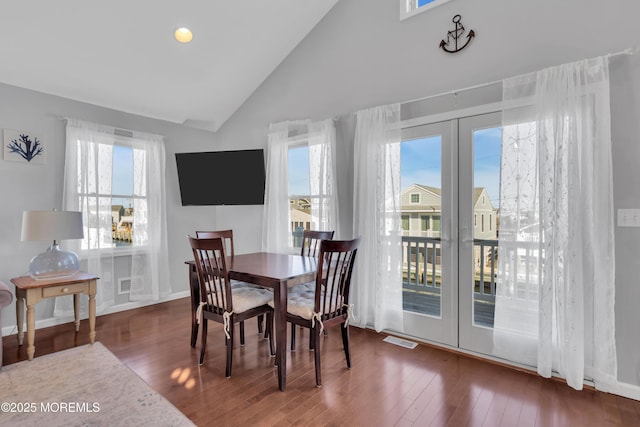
(124, 285)
(402, 343)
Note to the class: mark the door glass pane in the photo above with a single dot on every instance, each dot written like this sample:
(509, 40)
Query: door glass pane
(421, 173)
(487, 145)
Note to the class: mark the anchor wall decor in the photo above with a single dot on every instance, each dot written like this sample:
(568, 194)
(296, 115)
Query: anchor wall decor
(454, 35)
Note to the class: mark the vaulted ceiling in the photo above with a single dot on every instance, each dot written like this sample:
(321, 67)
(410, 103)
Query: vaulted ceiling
(121, 54)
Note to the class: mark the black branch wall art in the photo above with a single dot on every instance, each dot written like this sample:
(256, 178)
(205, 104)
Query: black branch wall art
(25, 147)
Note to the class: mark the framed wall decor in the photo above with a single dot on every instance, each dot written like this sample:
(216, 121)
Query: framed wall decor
(22, 146)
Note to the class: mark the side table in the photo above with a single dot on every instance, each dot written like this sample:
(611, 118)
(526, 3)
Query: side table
(32, 291)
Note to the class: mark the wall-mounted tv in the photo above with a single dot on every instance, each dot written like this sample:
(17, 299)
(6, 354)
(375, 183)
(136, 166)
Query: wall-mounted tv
(221, 177)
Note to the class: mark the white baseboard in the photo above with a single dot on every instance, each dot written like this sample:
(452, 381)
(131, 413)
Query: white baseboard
(627, 390)
(53, 321)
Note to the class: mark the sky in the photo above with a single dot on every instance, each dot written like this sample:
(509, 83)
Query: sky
(299, 171)
(420, 164)
(122, 174)
(421, 159)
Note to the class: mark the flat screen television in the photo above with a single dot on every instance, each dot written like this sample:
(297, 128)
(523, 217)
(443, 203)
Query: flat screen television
(221, 177)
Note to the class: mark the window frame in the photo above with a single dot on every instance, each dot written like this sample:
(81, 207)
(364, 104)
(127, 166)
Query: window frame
(122, 141)
(300, 142)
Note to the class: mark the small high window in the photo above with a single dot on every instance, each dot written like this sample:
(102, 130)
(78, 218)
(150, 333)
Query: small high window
(415, 198)
(413, 7)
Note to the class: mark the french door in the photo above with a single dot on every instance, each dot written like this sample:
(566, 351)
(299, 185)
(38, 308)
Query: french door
(450, 204)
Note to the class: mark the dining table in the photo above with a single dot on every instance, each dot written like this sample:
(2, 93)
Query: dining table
(276, 271)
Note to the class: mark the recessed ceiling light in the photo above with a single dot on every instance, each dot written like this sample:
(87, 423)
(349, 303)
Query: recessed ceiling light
(183, 35)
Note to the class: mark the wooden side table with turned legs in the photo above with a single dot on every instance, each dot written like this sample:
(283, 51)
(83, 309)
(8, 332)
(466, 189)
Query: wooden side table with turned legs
(32, 291)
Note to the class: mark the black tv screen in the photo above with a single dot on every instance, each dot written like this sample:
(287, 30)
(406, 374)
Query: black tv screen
(221, 177)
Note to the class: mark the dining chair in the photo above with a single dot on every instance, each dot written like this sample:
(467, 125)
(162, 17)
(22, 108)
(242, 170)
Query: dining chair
(327, 304)
(310, 246)
(221, 302)
(227, 237)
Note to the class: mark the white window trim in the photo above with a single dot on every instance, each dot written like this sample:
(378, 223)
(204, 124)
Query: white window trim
(409, 8)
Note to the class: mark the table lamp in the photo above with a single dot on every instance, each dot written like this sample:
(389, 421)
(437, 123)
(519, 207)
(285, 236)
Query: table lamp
(52, 225)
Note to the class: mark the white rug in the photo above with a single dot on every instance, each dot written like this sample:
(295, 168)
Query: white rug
(82, 386)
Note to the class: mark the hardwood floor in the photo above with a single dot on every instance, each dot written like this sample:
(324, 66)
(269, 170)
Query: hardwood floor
(388, 385)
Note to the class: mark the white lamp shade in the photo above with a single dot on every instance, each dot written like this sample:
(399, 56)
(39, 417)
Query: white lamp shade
(51, 225)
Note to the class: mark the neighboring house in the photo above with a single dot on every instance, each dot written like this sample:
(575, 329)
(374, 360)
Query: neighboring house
(300, 202)
(485, 221)
(421, 212)
(121, 223)
(300, 218)
(117, 212)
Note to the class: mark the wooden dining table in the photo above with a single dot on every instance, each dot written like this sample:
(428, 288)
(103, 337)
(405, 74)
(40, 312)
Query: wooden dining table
(270, 270)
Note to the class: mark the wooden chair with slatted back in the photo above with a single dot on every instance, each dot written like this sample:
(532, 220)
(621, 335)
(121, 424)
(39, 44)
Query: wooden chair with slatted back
(311, 241)
(327, 304)
(310, 247)
(227, 237)
(221, 302)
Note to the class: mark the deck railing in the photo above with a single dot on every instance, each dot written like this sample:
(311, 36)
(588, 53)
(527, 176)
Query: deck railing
(421, 265)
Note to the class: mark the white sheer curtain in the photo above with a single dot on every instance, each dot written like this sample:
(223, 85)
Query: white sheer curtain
(322, 175)
(556, 280)
(321, 140)
(150, 263)
(377, 282)
(87, 179)
(87, 188)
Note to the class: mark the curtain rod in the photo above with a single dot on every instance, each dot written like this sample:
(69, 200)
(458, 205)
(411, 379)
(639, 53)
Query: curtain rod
(116, 130)
(628, 51)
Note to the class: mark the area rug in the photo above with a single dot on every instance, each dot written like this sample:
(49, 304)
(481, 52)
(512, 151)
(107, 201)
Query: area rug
(82, 386)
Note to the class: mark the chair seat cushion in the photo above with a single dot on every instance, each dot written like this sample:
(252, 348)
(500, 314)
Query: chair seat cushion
(248, 297)
(300, 301)
(237, 283)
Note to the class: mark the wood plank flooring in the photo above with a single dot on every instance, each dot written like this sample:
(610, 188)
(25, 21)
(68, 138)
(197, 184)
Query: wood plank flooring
(387, 386)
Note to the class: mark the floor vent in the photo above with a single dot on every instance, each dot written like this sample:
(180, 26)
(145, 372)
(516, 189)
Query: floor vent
(402, 343)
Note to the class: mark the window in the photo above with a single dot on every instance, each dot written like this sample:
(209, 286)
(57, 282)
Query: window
(482, 223)
(490, 221)
(116, 179)
(125, 205)
(299, 192)
(424, 222)
(436, 223)
(122, 200)
(405, 222)
(415, 198)
(300, 182)
(410, 8)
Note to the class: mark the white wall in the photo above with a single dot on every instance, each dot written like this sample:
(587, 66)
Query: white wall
(361, 56)
(29, 186)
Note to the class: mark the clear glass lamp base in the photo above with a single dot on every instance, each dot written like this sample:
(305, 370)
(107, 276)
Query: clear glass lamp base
(54, 263)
